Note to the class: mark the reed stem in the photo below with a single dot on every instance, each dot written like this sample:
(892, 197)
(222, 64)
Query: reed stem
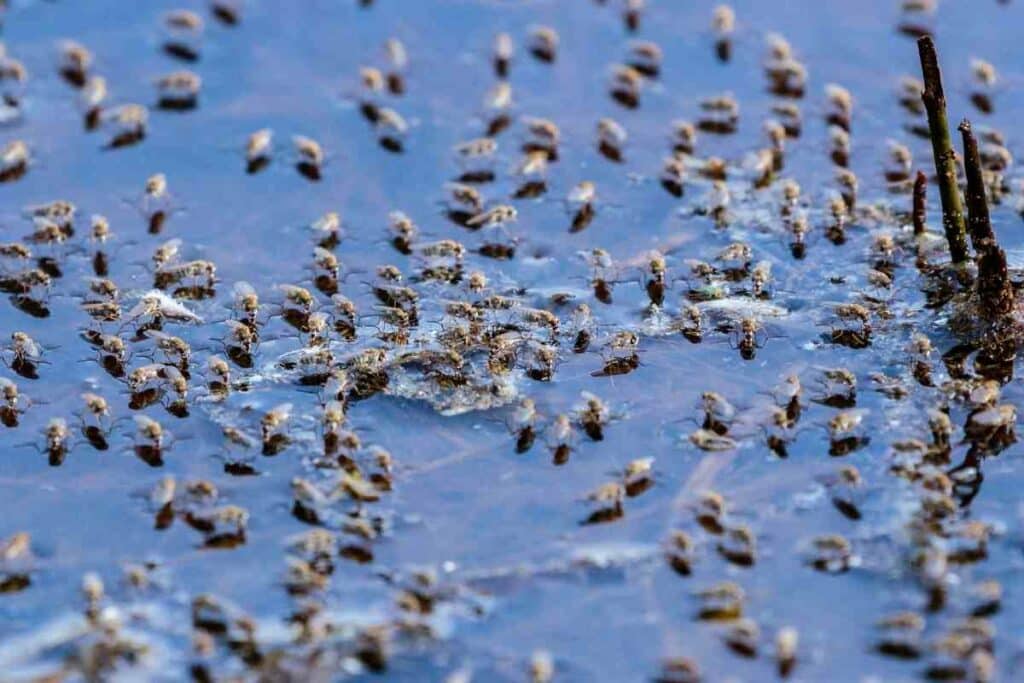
(942, 147)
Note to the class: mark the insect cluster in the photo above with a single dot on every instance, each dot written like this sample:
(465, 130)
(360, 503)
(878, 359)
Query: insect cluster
(769, 310)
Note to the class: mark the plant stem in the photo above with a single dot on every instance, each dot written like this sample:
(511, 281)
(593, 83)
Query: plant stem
(993, 286)
(978, 224)
(942, 147)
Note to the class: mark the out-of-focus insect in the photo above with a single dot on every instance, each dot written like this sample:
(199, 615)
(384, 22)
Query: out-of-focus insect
(258, 150)
(523, 424)
(497, 216)
(504, 50)
(645, 56)
(543, 43)
(183, 32)
(391, 128)
(228, 12)
(720, 114)
(129, 123)
(560, 439)
(178, 90)
(673, 175)
(626, 85)
(723, 23)
(14, 160)
(593, 415)
(55, 437)
(91, 99)
(611, 137)
(398, 58)
(310, 156)
(75, 61)
(271, 424)
(608, 500)
(721, 602)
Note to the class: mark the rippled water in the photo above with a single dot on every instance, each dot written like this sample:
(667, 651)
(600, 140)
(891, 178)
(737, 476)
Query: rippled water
(502, 530)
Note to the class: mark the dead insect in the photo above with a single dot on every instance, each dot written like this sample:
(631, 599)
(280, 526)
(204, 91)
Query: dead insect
(901, 635)
(270, 425)
(680, 552)
(748, 336)
(786, 643)
(645, 56)
(75, 61)
(720, 114)
(611, 137)
(391, 128)
(246, 300)
(499, 215)
(258, 150)
(608, 500)
(832, 553)
(55, 436)
(984, 83)
(503, 52)
(543, 43)
(178, 90)
(742, 637)
(128, 122)
(523, 424)
(14, 160)
(738, 546)
(721, 602)
(310, 156)
(183, 31)
(403, 230)
(26, 355)
(708, 440)
(626, 85)
(593, 415)
(560, 439)
(723, 24)
(227, 11)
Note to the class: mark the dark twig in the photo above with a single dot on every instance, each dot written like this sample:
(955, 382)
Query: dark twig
(942, 147)
(995, 293)
(978, 224)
